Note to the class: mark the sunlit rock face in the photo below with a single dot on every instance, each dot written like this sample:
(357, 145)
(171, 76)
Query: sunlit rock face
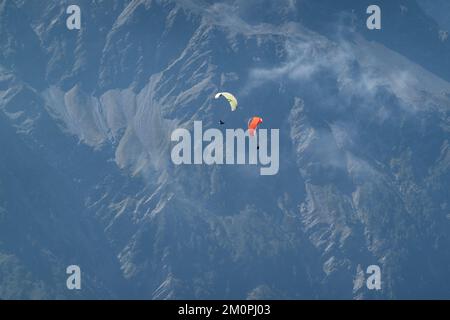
(86, 176)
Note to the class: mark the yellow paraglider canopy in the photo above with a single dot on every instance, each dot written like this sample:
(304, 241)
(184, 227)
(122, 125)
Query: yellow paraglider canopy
(230, 98)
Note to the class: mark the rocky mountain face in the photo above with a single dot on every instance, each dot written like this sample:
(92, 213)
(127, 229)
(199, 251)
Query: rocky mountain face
(86, 176)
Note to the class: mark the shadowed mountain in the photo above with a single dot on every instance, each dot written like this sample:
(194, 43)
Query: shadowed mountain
(86, 176)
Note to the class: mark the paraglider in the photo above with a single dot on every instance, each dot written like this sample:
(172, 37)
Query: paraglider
(230, 98)
(253, 123)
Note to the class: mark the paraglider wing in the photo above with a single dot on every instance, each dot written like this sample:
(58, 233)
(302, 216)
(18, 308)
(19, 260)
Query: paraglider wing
(230, 98)
(253, 123)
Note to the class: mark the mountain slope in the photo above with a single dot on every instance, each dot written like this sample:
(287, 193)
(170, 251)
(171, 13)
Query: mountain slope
(364, 153)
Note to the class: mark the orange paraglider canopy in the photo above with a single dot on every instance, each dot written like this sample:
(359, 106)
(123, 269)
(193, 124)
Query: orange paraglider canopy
(253, 123)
